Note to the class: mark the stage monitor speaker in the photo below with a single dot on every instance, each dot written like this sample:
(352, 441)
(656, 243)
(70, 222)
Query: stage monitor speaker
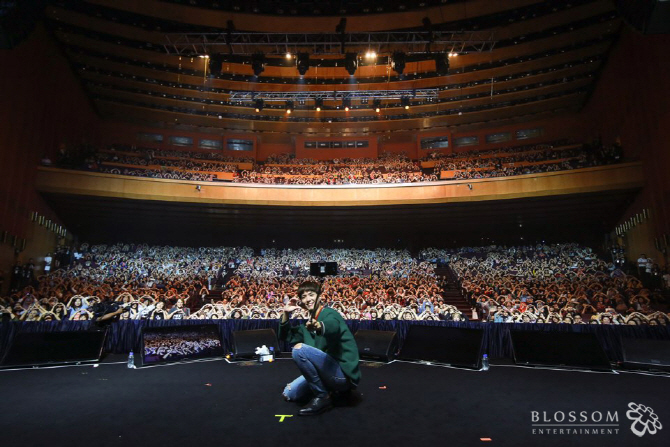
(563, 349)
(323, 268)
(647, 354)
(450, 345)
(246, 342)
(54, 348)
(376, 344)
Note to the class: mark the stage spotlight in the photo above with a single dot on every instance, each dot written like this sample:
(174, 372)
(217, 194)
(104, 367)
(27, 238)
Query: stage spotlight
(318, 103)
(259, 105)
(302, 62)
(370, 55)
(258, 63)
(398, 62)
(377, 105)
(351, 63)
(346, 103)
(441, 64)
(288, 55)
(404, 101)
(289, 107)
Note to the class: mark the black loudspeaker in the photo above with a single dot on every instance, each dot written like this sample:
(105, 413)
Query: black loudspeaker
(17, 21)
(246, 342)
(450, 345)
(376, 344)
(563, 349)
(647, 354)
(52, 348)
(322, 268)
(215, 64)
(648, 16)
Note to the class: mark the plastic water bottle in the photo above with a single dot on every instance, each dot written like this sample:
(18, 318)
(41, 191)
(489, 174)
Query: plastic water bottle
(131, 360)
(485, 362)
(272, 353)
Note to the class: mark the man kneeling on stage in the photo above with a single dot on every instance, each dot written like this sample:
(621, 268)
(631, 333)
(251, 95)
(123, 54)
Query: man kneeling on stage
(325, 352)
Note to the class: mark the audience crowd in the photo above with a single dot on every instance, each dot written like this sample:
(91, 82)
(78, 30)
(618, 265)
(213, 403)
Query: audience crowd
(562, 283)
(525, 160)
(388, 168)
(162, 173)
(177, 283)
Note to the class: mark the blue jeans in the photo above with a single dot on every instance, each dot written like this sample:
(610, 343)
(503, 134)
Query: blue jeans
(320, 374)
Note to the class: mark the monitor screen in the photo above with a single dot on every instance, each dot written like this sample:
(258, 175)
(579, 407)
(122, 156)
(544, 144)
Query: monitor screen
(177, 343)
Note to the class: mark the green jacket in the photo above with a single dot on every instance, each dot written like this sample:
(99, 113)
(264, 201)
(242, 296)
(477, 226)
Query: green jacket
(336, 341)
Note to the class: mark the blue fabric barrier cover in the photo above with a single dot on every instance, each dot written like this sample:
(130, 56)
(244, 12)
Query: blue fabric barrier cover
(124, 336)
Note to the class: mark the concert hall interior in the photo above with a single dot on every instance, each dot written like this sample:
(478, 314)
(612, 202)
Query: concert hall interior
(475, 191)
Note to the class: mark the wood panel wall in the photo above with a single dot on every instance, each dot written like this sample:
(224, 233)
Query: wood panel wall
(43, 106)
(631, 103)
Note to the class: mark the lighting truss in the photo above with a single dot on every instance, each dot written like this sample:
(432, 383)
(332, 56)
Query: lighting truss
(410, 42)
(247, 96)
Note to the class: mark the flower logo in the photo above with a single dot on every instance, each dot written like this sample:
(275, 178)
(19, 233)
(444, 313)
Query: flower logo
(644, 419)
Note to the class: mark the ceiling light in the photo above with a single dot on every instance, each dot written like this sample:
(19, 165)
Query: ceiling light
(376, 104)
(346, 103)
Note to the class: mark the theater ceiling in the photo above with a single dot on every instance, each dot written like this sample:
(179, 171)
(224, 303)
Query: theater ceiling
(221, 66)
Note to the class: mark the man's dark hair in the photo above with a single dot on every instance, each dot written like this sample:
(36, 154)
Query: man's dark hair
(309, 286)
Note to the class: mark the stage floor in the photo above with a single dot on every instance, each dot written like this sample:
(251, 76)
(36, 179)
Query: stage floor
(219, 403)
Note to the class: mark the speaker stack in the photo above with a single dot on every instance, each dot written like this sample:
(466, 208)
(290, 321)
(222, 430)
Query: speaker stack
(579, 350)
(449, 345)
(378, 345)
(646, 354)
(54, 348)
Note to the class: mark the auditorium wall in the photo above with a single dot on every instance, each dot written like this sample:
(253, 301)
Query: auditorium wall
(368, 151)
(631, 103)
(404, 143)
(43, 106)
(267, 149)
(129, 134)
(565, 126)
